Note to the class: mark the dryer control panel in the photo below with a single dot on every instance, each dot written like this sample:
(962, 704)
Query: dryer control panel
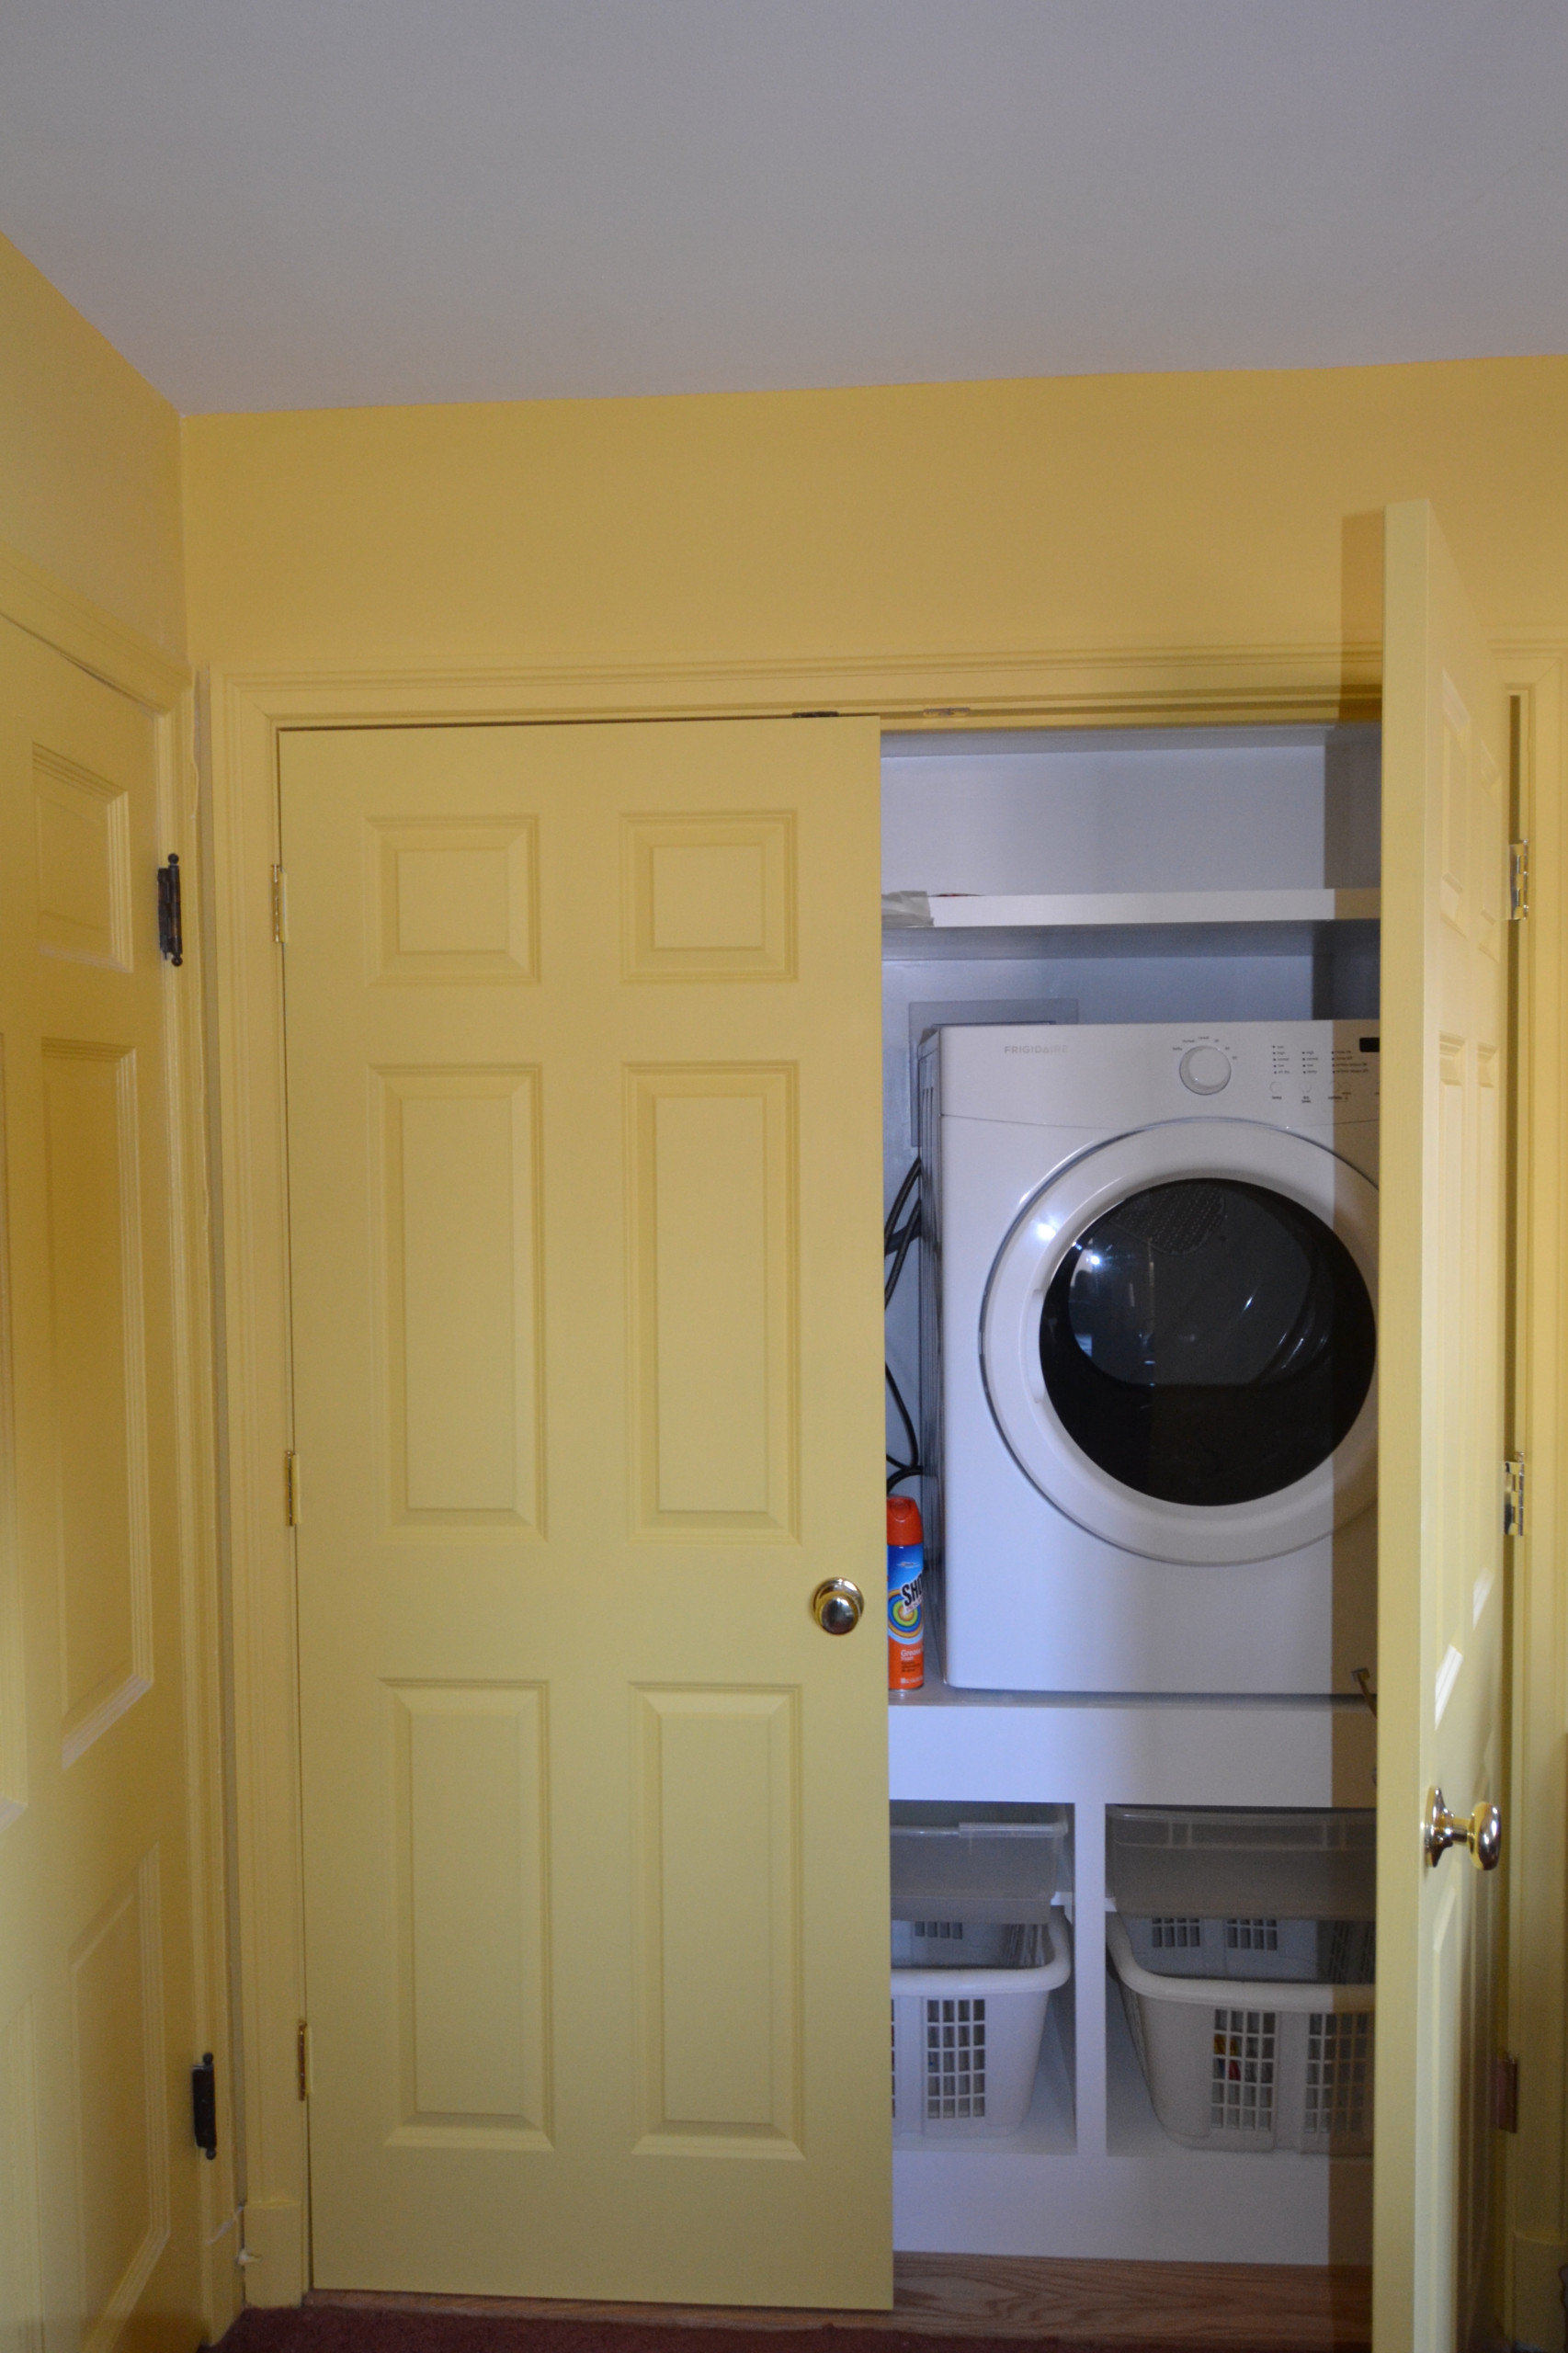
(1303, 1074)
(1322, 1070)
(1344, 1076)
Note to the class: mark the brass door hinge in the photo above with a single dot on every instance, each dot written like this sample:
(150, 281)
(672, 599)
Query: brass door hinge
(1518, 881)
(291, 1489)
(302, 2058)
(279, 906)
(1513, 1495)
(1505, 2093)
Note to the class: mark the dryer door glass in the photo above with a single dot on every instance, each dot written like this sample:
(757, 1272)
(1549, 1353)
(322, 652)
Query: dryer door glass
(1207, 1342)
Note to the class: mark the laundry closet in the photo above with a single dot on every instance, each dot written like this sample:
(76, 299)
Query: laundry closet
(587, 1467)
(1131, 1048)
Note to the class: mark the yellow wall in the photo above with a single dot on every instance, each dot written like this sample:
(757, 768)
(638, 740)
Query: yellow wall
(89, 461)
(1090, 511)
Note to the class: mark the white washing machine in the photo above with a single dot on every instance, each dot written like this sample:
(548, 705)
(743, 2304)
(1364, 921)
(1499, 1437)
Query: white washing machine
(1148, 1342)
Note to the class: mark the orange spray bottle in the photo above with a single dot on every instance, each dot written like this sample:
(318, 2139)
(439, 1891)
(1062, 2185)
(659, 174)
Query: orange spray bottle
(906, 1613)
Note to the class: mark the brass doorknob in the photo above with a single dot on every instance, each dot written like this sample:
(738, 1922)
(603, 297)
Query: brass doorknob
(837, 1606)
(1481, 1831)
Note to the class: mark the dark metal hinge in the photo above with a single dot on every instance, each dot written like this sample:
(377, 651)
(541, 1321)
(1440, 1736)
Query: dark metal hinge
(291, 1489)
(171, 939)
(1505, 2093)
(302, 2061)
(279, 906)
(204, 2105)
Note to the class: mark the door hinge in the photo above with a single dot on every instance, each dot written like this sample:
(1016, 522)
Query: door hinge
(171, 939)
(279, 906)
(1505, 2093)
(1518, 881)
(291, 1489)
(1513, 1495)
(302, 2061)
(204, 2105)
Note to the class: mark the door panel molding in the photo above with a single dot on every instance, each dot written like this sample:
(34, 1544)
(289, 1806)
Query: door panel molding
(718, 1803)
(105, 1553)
(458, 901)
(442, 1467)
(709, 898)
(248, 711)
(712, 1251)
(474, 1976)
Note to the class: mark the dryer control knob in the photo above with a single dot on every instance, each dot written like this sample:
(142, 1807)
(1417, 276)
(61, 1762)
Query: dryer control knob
(1205, 1070)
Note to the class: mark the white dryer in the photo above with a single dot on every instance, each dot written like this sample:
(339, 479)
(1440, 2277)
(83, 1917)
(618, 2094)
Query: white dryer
(1148, 1337)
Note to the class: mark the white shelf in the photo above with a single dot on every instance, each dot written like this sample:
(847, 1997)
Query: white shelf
(1033, 911)
(1074, 1750)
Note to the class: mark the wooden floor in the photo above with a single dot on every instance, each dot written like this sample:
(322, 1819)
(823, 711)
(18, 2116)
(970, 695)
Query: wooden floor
(1266, 2308)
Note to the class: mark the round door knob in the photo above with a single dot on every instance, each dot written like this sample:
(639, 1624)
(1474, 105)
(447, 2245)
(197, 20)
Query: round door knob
(1204, 1070)
(1485, 1839)
(837, 1606)
(1481, 1831)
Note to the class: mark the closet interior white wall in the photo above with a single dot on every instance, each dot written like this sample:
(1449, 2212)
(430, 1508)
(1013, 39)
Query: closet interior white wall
(1172, 875)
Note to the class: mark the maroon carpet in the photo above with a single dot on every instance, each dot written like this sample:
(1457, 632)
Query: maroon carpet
(337, 2329)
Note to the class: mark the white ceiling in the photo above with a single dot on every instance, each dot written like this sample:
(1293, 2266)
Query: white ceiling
(299, 203)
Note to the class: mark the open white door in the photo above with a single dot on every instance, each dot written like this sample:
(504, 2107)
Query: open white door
(1441, 1344)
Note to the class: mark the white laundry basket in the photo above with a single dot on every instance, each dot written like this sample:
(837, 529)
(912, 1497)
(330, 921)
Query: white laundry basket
(1252, 2067)
(966, 2044)
(1253, 1946)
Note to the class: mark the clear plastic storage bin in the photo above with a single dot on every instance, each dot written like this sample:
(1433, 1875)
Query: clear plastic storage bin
(973, 1866)
(1252, 1896)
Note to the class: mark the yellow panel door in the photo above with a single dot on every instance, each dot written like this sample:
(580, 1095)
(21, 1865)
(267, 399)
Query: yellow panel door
(1441, 1394)
(583, 1163)
(99, 2176)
